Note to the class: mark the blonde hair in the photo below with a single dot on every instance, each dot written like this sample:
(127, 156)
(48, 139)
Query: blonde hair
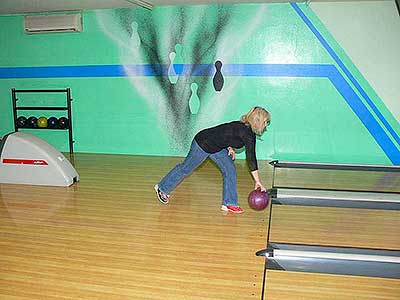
(256, 118)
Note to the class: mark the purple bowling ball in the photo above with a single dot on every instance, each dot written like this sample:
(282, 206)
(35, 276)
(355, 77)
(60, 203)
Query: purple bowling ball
(258, 200)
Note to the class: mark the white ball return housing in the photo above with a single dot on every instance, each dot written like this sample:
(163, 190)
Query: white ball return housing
(27, 159)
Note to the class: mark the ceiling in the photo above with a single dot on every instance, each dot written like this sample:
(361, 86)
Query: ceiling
(8, 7)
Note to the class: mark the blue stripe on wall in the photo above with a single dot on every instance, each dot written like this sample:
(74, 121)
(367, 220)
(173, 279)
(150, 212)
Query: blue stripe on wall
(346, 71)
(278, 70)
(83, 71)
(266, 70)
(287, 70)
(366, 118)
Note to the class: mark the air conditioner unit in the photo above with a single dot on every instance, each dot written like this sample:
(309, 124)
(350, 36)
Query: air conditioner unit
(53, 23)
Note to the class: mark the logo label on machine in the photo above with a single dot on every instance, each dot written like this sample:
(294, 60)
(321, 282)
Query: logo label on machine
(36, 162)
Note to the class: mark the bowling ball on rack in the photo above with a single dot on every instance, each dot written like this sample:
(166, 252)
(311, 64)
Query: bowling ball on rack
(21, 122)
(31, 122)
(52, 122)
(42, 122)
(258, 200)
(63, 123)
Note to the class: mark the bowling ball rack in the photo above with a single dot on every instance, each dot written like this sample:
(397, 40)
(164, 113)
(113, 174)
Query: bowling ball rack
(67, 108)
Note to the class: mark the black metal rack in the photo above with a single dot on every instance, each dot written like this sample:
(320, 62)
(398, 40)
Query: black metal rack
(67, 108)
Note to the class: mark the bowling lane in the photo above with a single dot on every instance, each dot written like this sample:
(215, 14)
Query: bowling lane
(334, 226)
(349, 180)
(337, 226)
(294, 286)
(364, 228)
(343, 199)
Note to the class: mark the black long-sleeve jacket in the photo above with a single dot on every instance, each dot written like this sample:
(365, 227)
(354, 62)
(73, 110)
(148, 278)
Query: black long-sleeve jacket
(234, 134)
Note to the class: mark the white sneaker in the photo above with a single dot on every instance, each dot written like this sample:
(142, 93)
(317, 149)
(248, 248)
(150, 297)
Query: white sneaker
(162, 197)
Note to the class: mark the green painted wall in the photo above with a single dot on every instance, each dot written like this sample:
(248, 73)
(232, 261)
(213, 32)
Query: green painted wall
(149, 115)
(369, 33)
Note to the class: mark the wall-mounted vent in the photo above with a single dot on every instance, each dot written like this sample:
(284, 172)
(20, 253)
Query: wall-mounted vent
(53, 23)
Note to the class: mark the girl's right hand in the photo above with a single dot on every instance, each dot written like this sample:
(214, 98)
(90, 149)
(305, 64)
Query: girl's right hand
(231, 153)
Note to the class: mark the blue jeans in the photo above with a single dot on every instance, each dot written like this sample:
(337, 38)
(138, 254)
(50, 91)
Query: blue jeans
(195, 157)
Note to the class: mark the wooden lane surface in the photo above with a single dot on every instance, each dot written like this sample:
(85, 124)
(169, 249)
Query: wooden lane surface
(338, 179)
(107, 237)
(338, 227)
(365, 228)
(305, 286)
